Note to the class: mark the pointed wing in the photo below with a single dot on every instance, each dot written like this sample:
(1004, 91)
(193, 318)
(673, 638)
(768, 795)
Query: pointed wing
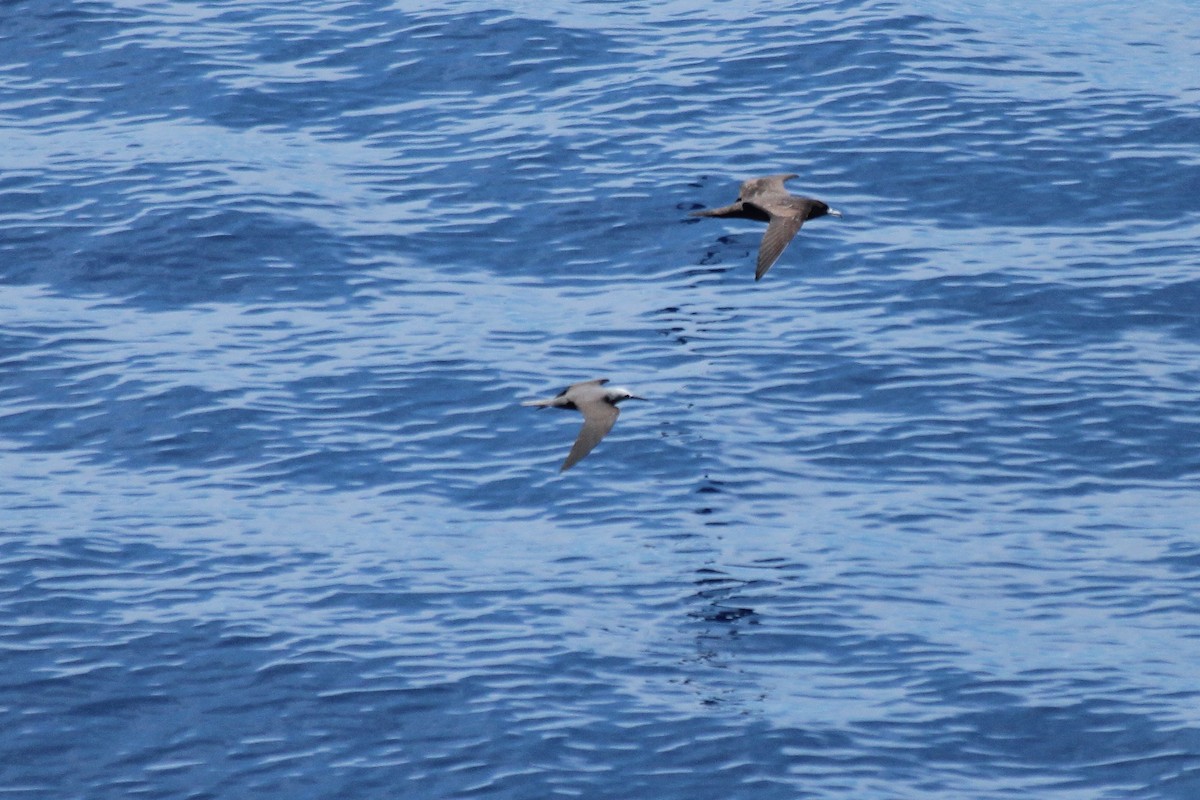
(597, 382)
(598, 418)
(582, 384)
(772, 184)
(780, 232)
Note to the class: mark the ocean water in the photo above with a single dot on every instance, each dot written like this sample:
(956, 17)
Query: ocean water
(915, 516)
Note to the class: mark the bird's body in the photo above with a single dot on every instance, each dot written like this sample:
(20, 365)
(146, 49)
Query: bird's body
(599, 408)
(766, 200)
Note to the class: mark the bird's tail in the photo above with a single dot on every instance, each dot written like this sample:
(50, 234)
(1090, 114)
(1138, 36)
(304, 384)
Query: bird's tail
(723, 211)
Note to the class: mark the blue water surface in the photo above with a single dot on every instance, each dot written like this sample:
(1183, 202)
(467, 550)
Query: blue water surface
(915, 516)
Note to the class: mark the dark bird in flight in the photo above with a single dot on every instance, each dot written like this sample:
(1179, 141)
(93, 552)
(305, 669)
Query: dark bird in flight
(765, 200)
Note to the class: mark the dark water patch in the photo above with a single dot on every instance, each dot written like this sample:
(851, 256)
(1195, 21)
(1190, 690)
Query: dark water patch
(230, 255)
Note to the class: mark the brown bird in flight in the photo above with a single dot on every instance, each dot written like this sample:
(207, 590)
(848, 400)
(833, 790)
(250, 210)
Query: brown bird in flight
(765, 200)
(599, 408)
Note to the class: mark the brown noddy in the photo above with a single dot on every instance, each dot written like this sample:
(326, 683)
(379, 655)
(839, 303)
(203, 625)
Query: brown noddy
(765, 200)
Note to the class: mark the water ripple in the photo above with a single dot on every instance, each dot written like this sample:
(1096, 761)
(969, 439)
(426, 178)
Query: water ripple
(912, 516)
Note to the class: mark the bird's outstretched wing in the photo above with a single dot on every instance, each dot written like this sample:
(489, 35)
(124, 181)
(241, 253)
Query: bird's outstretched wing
(598, 418)
(780, 233)
(787, 214)
(596, 382)
(771, 184)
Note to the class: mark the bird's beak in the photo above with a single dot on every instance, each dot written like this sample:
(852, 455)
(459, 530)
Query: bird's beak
(635, 397)
(833, 212)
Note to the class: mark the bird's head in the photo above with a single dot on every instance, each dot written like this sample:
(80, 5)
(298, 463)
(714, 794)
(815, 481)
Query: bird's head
(616, 395)
(820, 209)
